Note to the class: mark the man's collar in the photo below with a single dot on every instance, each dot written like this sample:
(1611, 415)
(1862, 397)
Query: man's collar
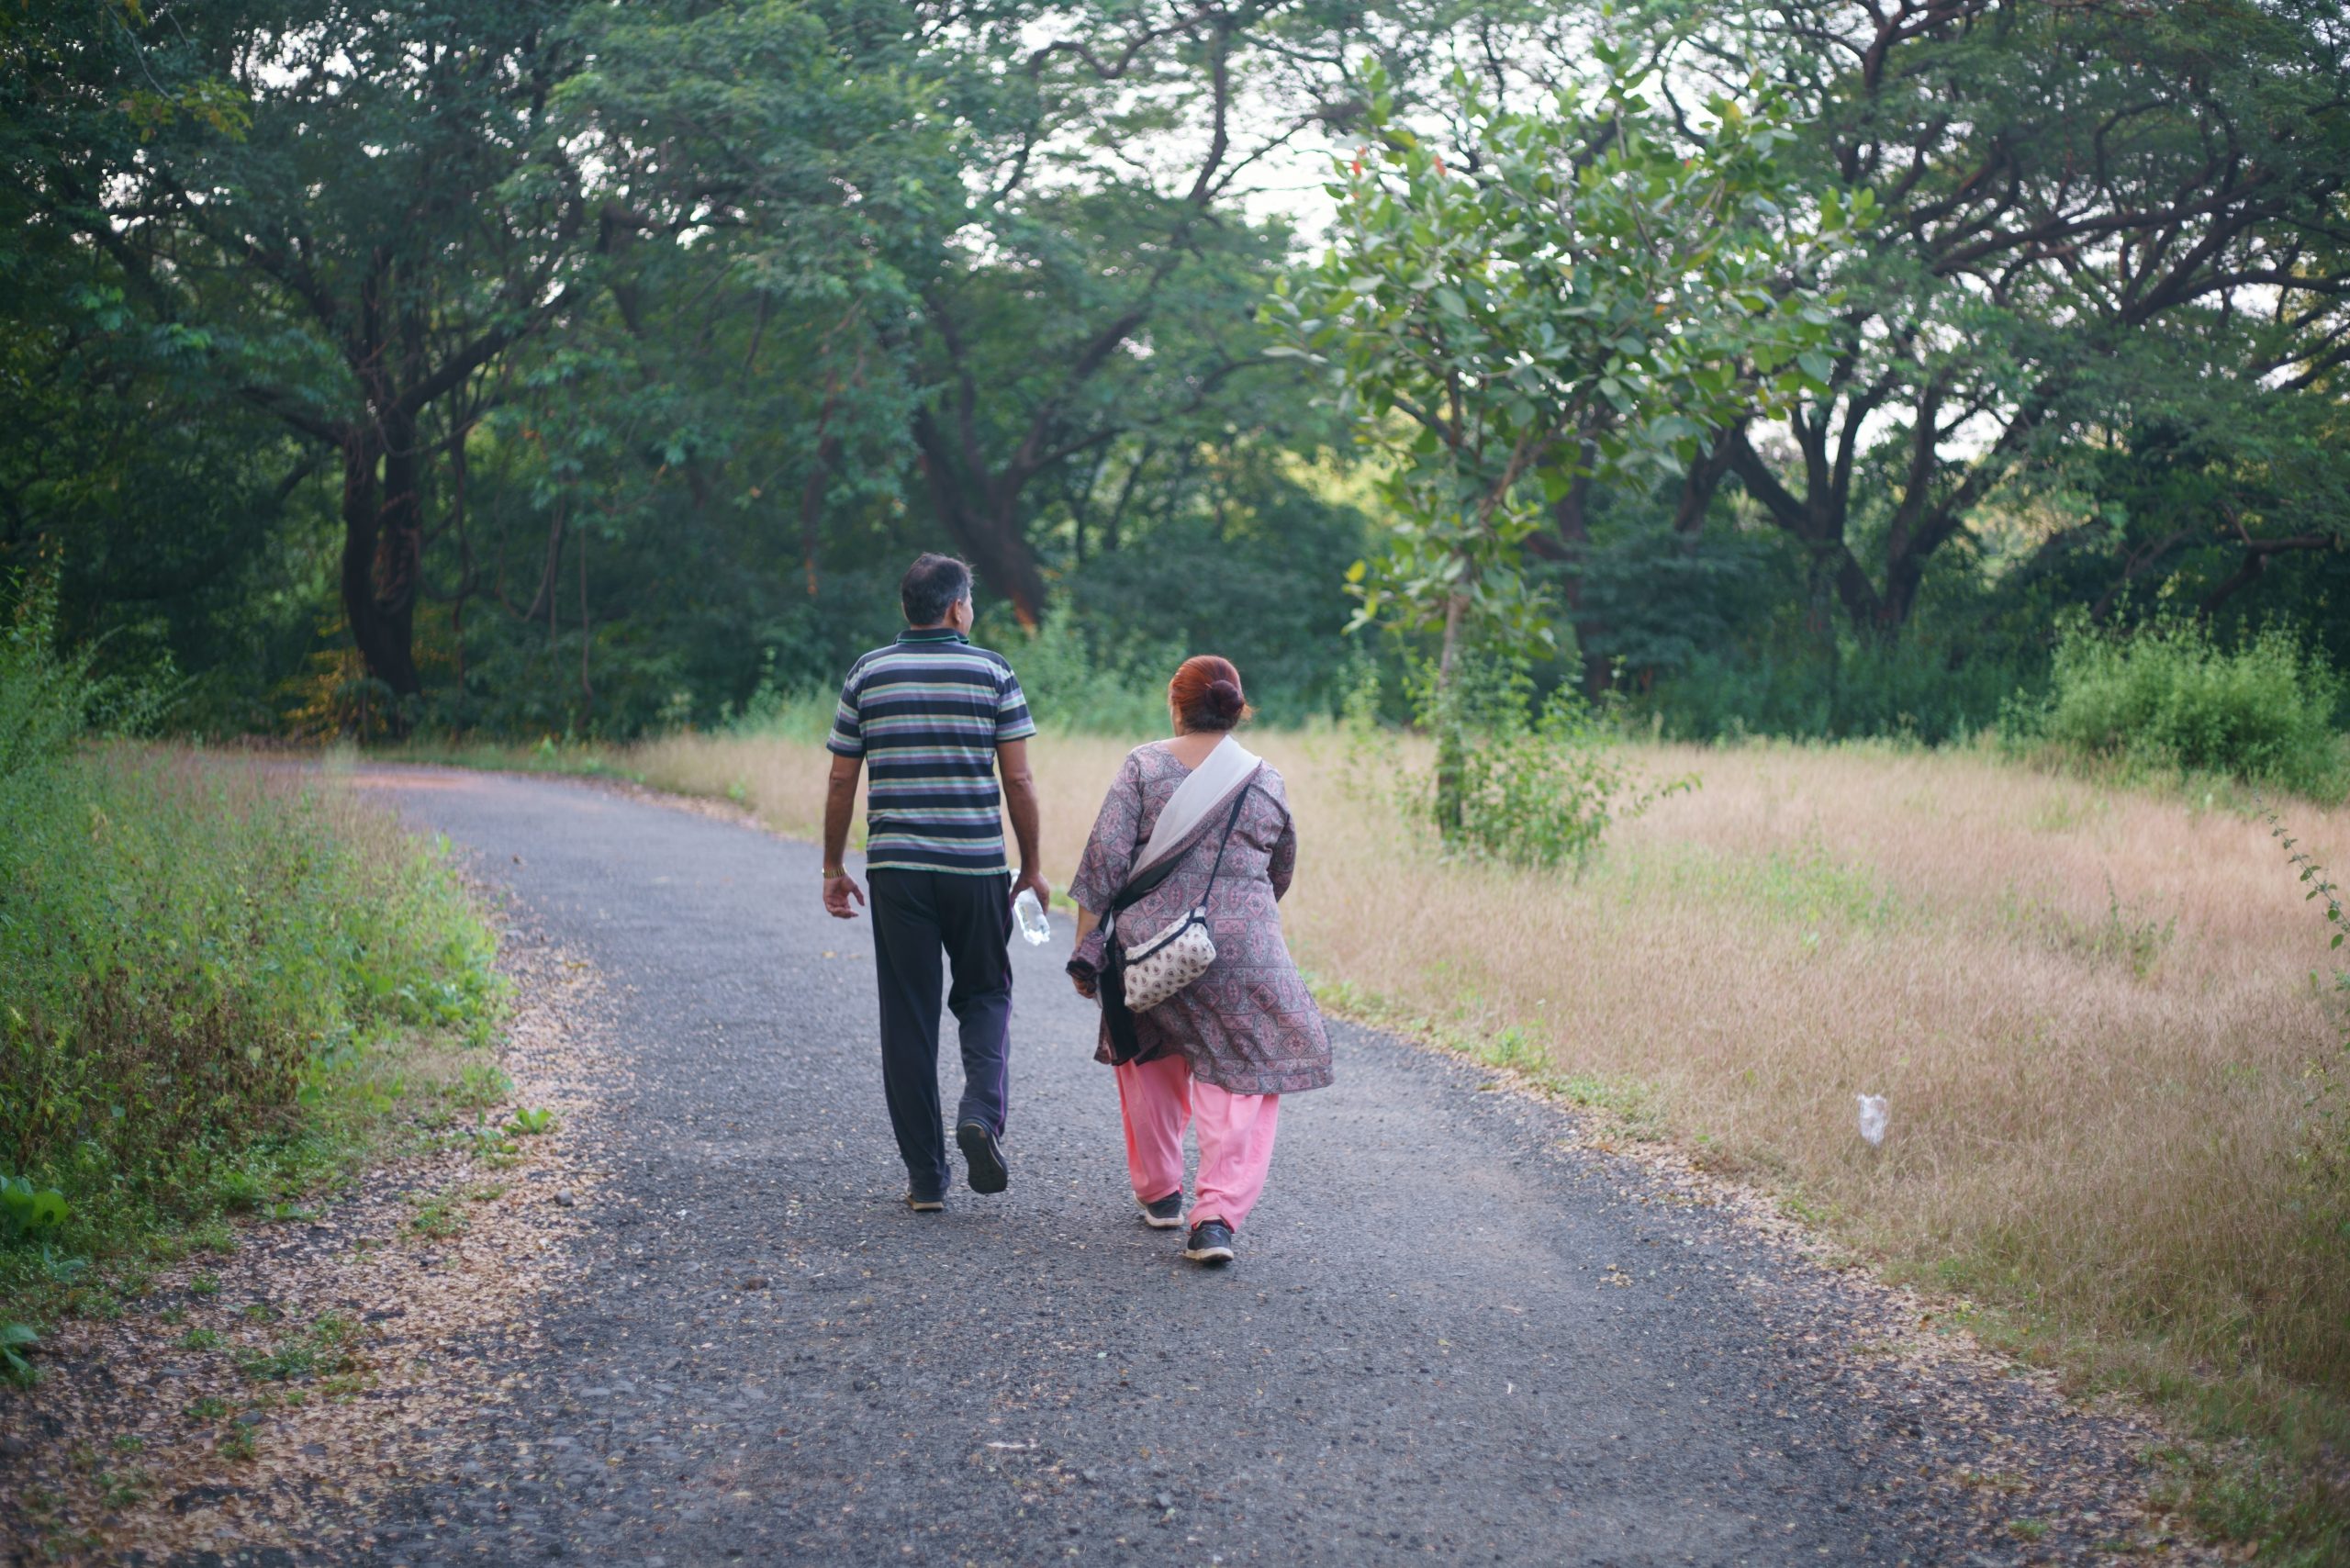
(932, 634)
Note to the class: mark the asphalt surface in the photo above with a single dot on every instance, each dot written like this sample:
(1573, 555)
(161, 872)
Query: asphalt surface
(1452, 1333)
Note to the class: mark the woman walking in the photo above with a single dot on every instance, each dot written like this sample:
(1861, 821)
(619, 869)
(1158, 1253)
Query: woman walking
(1196, 825)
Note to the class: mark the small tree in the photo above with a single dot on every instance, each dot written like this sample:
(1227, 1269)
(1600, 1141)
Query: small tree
(1587, 289)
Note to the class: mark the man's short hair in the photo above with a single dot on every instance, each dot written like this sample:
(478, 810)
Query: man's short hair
(932, 585)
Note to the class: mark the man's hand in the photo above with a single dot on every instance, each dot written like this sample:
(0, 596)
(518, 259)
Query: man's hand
(840, 804)
(839, 888)
(1019, 805)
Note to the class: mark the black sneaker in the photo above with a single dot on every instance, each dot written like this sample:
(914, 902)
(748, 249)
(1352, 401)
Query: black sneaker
(1211, 1242)
(922, 1205)
(984, 1156)
(1167, 1213)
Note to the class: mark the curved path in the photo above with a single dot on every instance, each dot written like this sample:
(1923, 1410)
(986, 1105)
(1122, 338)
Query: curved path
(1453, 1333)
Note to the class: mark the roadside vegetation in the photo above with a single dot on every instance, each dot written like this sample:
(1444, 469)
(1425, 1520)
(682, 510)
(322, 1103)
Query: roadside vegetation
(221, 983)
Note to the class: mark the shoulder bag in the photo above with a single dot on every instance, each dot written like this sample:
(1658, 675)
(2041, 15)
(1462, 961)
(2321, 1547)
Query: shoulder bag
(1157, 966)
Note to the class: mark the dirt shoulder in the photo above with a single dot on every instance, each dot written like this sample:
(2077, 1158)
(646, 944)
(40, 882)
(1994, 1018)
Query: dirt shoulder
(250, 1403)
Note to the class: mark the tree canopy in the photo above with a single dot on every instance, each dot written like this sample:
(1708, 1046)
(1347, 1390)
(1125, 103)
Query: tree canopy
(546, 366)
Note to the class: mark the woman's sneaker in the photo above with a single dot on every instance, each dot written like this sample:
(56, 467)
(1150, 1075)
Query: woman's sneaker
(1211, 1242)
(1167, 1213)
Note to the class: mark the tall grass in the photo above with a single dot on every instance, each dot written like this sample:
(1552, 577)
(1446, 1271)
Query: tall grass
(2093, 1013)
(201, 963)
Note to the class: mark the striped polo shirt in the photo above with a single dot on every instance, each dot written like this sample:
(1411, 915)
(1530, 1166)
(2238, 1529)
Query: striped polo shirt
(926, 715)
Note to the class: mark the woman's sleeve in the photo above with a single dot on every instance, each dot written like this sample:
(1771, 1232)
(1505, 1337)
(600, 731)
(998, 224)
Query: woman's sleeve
(1110, 849)
(1283, 864)
(1109, 856)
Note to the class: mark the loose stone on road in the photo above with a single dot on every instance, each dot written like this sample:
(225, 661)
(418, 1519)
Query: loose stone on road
(1454, 1331)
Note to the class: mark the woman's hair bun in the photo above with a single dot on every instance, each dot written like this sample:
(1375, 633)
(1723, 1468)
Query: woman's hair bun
(1206, 695)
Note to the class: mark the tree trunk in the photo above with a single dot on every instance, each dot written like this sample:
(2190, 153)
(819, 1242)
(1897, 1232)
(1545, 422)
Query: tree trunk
(1815, 518)
(1454, 608)
(1698, 486)
(982, 520)
(1001, 554)
(382, 555)
(986, 529)
(1449, 741)
(812, 504)
(1570, 516)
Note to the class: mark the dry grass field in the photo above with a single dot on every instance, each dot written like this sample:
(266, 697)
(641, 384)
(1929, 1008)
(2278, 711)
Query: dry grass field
(2093, 1012)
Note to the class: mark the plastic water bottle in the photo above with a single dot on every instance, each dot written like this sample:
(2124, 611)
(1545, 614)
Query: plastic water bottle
(1030, 914)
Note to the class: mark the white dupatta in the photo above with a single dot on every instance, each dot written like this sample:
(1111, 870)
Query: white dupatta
(1209, 789)
(1221, 775)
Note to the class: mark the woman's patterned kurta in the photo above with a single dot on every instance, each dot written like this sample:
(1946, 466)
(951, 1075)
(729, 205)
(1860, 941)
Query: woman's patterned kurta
(1248, 1026)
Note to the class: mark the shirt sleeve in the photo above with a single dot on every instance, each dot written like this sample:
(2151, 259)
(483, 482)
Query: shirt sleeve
(1013, 721)
(847, 738)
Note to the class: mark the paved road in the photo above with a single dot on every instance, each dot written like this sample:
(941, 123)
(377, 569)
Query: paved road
(1451, 1335)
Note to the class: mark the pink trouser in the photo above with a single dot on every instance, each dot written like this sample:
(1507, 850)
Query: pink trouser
(1157, 1098)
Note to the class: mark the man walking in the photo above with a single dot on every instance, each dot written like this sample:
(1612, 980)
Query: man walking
(936, 717)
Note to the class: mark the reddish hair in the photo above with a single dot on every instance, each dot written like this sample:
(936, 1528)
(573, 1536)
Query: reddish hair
(1206, 695)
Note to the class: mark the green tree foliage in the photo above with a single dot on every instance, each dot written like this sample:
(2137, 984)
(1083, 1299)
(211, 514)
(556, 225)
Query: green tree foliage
(579, 359)
(1236, 557)
(2100, 220)
(380, 209)
(655, 484)
(1587, 289)
(1099, 293)
(559, 367)
(2091, 355)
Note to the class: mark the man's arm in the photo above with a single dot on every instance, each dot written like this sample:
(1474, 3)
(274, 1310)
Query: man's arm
(840, 805)
(1020, 803)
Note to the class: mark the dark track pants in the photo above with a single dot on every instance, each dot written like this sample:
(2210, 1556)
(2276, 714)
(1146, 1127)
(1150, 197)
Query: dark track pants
(917, 917)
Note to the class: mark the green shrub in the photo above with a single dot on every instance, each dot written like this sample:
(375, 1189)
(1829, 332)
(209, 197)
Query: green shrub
(16, 1338)
(197, 956)
(1074, 680)
(1851, 687)
(779, 712)
(191, 949)
(2167, 697)
(1524, 782)
(2329, 1076)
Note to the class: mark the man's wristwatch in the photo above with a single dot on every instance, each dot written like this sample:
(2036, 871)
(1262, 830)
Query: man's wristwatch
(832, 871)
